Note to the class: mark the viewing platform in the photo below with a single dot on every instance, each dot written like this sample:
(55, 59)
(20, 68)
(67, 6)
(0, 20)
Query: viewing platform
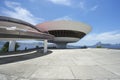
(82, 64)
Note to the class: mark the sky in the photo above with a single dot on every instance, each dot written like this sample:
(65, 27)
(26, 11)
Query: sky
(102, 15)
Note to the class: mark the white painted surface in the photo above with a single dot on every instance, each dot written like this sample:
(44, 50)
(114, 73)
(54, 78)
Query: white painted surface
(64, 25)
(63, 64)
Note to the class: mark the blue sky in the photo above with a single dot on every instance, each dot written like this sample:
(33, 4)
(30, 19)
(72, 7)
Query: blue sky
(102, 15)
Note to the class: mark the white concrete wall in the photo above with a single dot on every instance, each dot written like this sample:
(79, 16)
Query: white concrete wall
(65, 25)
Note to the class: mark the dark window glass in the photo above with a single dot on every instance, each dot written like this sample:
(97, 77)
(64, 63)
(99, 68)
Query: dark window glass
(67, 33)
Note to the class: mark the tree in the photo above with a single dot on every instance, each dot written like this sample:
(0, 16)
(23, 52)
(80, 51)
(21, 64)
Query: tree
(37, 47)
(98, 46)
(84, 47)
(16, 46)
(6, 47)
(25, 48)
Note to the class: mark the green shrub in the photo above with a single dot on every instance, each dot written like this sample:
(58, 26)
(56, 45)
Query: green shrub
(98, 46)
(16, 46)
(84, 47)
(37, 47)
(25, 48)
(6, 47)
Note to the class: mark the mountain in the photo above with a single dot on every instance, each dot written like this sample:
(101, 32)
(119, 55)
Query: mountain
(51, 45)
(106, 45)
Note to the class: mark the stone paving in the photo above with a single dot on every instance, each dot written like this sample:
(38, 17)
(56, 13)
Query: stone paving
(79, 64)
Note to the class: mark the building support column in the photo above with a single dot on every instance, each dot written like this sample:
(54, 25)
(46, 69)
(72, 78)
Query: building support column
(61, 45)
(11, 45)
(45, 46)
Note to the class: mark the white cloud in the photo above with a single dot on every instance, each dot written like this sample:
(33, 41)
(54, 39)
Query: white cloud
(106, 37)
(61, 2)
(84, 6)
(12, 4)
(94, 8)
(16, 11)
(112, 37)
(63, 18)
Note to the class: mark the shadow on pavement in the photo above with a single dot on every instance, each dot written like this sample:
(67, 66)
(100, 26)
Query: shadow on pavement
(21, 56)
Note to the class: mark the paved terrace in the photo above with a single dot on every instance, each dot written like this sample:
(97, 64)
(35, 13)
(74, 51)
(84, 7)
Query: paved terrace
(82, 64)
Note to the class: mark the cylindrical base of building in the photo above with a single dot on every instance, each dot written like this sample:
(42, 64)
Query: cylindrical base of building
(61, 45)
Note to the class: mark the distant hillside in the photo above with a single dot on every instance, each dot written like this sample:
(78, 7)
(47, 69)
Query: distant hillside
(104, 45)
(99, 44)
(50, 45)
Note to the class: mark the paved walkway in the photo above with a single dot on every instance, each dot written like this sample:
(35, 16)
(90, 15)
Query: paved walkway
(82, 64)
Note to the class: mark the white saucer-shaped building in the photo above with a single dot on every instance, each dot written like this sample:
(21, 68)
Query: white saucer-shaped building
(65, 31)
(12, 29)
